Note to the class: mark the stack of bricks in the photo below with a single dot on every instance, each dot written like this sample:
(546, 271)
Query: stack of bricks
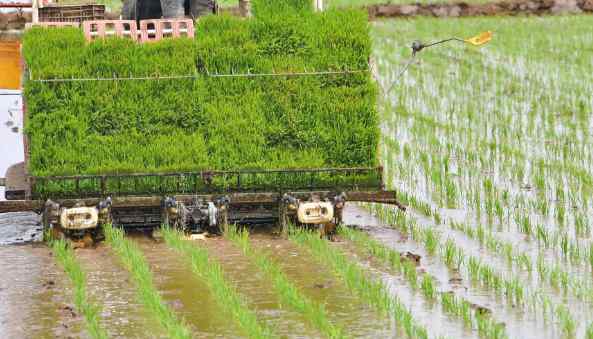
(150, 30)
(104, 28)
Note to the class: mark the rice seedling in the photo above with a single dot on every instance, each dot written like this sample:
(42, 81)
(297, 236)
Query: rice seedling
(208, 131)
(289, 294)
(450, 303)
(409, 269)
(133, 260)
(211, 272)
(428, 286)
(89, 310)
(356, 279)
(431, 240)
(566, 321)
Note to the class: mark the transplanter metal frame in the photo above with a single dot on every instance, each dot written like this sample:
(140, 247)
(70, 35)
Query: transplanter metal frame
(207, 182)
(236, 199)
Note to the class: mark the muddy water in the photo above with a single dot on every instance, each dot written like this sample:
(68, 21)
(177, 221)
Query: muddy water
(35, 295)
(109, 286)
(257, 289)
(186, 294)
(518, 324)
(433, 318)
(317, 282)
(20, 227)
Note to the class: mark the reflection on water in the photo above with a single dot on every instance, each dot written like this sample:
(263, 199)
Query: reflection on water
(20, 227)
(109, 285)
(35, 295)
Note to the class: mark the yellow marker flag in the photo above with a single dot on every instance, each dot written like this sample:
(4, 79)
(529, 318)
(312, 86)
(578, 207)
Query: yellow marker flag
(480, 39)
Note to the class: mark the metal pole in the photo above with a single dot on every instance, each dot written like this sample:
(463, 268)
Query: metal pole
(318, 5)
(35, 10)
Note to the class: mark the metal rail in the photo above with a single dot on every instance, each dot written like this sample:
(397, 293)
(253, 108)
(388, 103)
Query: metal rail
(236, 199)
(16, 5)
(198, 75)
(206, 182)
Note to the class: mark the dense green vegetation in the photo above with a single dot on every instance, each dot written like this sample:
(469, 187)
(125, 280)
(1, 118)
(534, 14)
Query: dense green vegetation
(98, 127)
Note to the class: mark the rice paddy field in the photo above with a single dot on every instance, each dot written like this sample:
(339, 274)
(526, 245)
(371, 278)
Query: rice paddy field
(490, 149)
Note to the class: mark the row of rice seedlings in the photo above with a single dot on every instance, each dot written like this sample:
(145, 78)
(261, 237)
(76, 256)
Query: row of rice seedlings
(375, 293)
(569, 248)
(289, 294)
(503, 148)
(504, 151)
(211, 272)
(454, 257)
(90, 311)
(457, 306)
(501, 248)
(579, 223)
(553, 275)
(134, 261)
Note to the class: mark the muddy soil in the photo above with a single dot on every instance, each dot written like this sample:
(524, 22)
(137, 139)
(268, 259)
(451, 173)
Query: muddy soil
(187, 295)
(35, 295)
(463, 9)
(312, 279)
(109, 286)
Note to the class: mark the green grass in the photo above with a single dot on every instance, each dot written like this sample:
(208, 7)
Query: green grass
(225, 293)
(89, 310)
(289, 294)
(134, 261)
(373, 292)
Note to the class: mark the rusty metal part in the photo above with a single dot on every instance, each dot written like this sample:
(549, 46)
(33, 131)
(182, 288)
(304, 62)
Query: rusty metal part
(15, 5)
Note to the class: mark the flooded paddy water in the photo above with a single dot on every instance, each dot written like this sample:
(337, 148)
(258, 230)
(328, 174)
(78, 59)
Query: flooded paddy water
(36, 294)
